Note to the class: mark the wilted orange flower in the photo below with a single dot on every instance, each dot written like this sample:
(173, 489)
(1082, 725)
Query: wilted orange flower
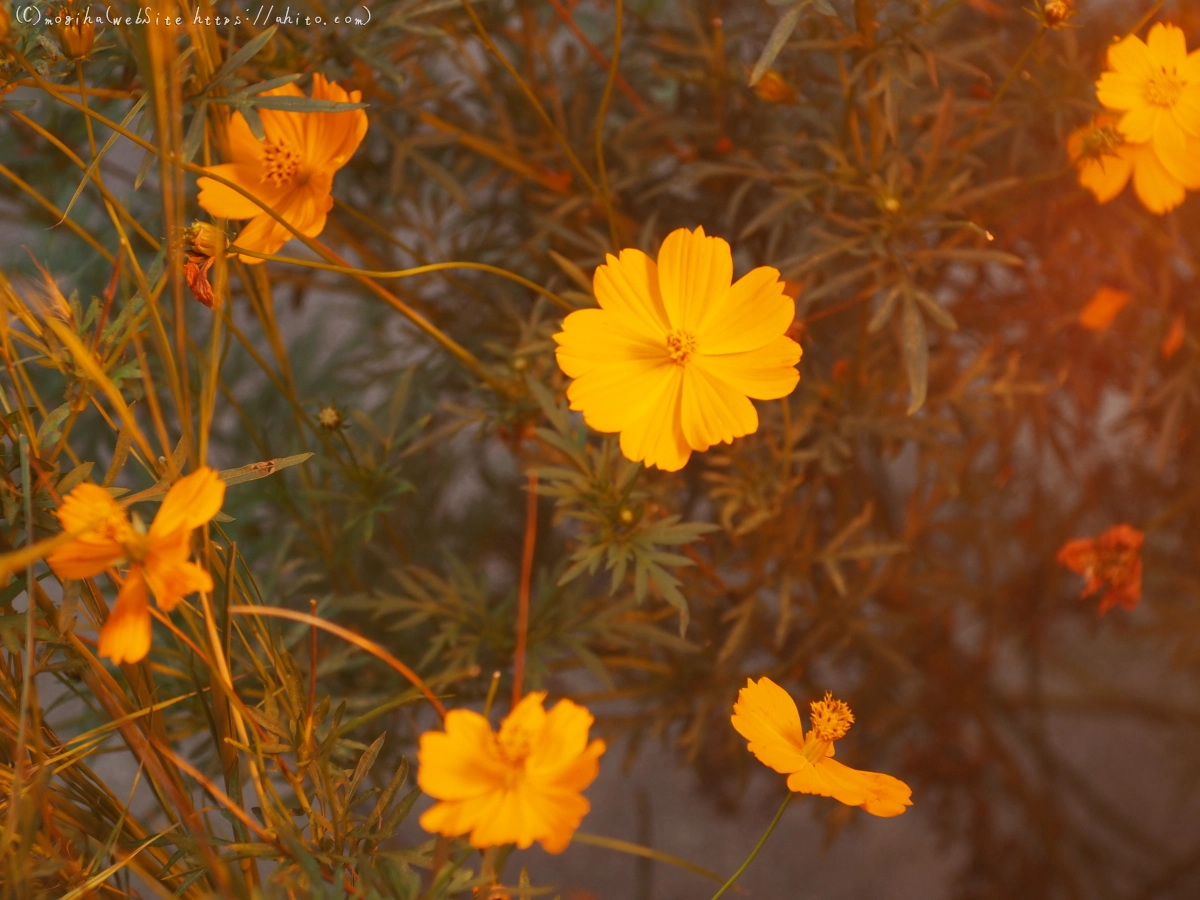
(673, 354)
(157, 558)
(767, 717)
(291, 171)
(516, 786)
(1156, 84)
(203, 241)
(1099, 312)
(1106, 162)
(1114, 559)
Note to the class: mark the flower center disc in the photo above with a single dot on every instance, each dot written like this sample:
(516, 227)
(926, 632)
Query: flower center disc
(831, 719)
(1164, 87)
(281, 162)
(514, 744)
(680, 345)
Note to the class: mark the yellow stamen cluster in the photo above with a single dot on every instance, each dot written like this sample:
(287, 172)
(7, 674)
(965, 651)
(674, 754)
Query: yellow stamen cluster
(1164, 88)
(680, 345)
(831, 719)
(281, 162)
(514, 742)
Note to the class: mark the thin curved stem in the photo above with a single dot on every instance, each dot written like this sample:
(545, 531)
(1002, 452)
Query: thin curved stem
(407, 273)
(531, 502)
(753, 853)
(347, 635)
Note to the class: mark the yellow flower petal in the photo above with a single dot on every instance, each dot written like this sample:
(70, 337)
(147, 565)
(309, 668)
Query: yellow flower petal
(125, 637)
(617, 396)
(225, 202)
(172, 580)
(592, 338)
(694, 275)
(1153, 184)
(655, 436)
(878, 794)
(1167, 45)
(628, 287)
(754, 312)
(457, 763)
(766, 373)
(244, 147)
(1106, 177)
(334, 137)
(713, 411)
(1120, 91)
(192, 501)
(89, 506)
(565, 737)
(766, 716)
(1139, 124)
(1131, 57)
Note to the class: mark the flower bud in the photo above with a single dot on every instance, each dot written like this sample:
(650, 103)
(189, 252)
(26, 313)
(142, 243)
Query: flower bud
(76, 33)
(5, 23)
(1055, 12)
(204, 239)
(330, 418)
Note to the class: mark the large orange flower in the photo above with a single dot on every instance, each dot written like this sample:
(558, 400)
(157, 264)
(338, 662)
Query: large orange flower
(517, 786)
(767, 717)
(290, 171)
(1156, 85)
(676, 351)
(157, 558)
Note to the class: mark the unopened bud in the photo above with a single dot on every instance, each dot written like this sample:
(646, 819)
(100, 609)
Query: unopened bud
(626, 515)
(75, 31)
(330, 418)
(5, 23)
(204, 239)
(1055, 12)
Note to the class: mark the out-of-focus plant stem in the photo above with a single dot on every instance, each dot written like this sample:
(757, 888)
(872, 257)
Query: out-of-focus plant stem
(530, 542)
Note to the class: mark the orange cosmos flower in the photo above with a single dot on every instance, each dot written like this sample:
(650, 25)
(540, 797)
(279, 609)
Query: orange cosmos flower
(767, 717)
(1156, 85)
(1106, 162)
(517, 786)
(157, 558)
(1114, 559)
(675, 352)
(290, 171)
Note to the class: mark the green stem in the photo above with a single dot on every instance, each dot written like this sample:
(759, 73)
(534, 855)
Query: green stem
(753, 853)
